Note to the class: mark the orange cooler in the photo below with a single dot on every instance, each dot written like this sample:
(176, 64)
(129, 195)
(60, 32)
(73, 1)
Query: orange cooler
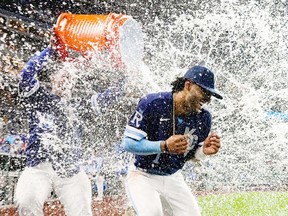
(119, 35)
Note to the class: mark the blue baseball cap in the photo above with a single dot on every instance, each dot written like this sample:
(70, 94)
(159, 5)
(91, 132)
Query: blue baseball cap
(204, 78)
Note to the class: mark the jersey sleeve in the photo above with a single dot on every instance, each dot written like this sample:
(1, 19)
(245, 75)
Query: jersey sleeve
(28, 76)
(138, 125)
(101, 101)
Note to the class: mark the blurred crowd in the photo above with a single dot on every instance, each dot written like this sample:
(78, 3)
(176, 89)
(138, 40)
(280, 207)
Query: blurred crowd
(14, 144)
(12, 139)
(10, 65)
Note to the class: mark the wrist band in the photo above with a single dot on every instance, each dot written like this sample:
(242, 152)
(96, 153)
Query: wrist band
(166, 147)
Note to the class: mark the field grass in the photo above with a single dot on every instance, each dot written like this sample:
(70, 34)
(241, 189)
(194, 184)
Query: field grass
(245, 204)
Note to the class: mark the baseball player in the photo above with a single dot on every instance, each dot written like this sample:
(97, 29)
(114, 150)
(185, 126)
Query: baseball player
(167, 130)
(55, 138)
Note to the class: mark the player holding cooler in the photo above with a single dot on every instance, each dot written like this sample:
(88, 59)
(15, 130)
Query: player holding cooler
(167, 130)
(55, 146)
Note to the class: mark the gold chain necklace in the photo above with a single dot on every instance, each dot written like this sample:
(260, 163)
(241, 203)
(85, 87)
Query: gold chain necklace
(173, 115)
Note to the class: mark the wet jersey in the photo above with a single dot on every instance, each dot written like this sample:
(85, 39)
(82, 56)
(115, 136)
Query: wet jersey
(153, 120)
(55, 131)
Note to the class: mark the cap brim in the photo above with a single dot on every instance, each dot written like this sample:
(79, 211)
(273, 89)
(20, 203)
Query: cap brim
(217, 95)
(213, 92)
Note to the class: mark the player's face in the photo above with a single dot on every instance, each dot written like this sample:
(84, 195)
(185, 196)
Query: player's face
(61, 83)
(196, 97)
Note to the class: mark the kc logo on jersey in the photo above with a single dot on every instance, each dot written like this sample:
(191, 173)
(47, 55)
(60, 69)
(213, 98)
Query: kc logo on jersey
(193, 139)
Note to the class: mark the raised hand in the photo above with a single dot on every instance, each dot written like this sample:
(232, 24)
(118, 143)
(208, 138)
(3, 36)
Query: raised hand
(211, 144)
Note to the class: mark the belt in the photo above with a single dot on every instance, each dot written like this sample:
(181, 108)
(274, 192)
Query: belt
(153, 172)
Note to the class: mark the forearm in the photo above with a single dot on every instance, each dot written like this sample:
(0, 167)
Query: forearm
(141, 147)
(109, 96)
(100, 101)
(33, 68)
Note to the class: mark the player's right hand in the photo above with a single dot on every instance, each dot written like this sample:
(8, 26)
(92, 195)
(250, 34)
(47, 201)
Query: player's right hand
(177, 144)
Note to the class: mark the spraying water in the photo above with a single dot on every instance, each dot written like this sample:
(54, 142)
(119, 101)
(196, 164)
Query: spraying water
(245, 45)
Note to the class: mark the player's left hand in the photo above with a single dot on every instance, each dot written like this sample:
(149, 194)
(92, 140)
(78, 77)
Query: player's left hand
(211, 144)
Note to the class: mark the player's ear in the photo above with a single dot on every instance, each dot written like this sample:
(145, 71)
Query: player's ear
(187, 85)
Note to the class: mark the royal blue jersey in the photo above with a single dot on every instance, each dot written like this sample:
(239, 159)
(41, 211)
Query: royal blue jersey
(55, 131)
(153, 120)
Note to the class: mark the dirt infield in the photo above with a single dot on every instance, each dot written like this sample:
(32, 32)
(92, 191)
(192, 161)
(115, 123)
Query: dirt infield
(114, 206)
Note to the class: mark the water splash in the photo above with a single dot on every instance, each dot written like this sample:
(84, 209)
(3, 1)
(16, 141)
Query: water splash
(245, 44)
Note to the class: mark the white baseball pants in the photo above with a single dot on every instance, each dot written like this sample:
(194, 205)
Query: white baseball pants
(144, 192)
(36, 183)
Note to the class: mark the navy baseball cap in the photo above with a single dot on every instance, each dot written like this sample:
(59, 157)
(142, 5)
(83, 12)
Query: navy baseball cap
(204, 78)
